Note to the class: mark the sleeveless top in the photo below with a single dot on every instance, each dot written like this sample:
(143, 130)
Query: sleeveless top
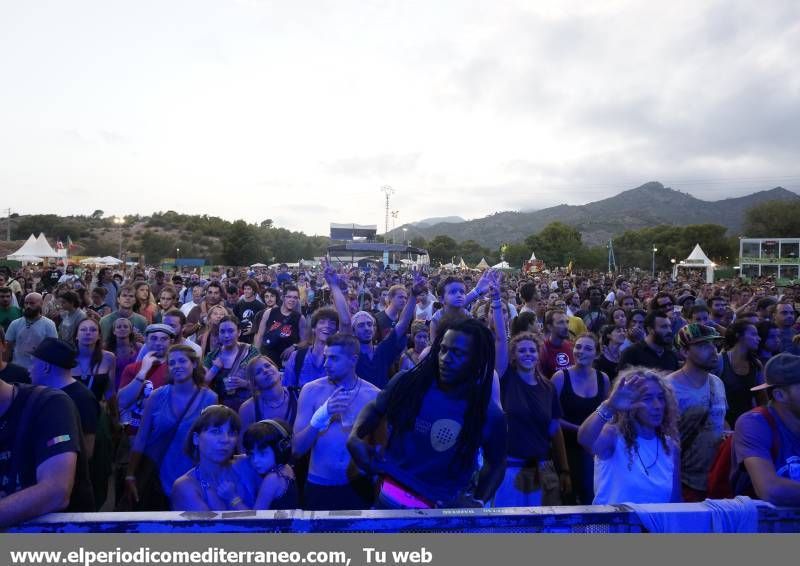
(97, 383)
(280, 332)
(646, 478)
(575, 408)
(291, 408)
(737, 389)
(289, 499)
(173, 462)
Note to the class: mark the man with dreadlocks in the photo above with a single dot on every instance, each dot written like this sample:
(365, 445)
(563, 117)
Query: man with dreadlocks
(438, 415)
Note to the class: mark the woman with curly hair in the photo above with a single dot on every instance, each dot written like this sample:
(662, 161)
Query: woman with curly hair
(633, 436)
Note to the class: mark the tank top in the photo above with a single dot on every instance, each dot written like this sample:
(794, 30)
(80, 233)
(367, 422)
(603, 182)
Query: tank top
(289, 499)
(737, 389)
(97, 383)
(646, 478)
(291, 408)
(575, 408)
(280, 332)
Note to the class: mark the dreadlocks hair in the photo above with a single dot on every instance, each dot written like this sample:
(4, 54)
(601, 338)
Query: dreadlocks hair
(407, 395)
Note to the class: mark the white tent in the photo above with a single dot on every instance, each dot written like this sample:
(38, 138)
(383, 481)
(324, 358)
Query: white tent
(482, 264)
(696, 260)
(259, 265)
(44, 247)
(502, 265)
(533, 257)
(28, 259)
(110, 260)
(463, 264)
(33, 247)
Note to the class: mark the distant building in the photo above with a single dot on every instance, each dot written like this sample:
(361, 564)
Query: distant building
(769, 257)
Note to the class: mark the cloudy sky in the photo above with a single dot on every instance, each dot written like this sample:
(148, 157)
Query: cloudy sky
(300, 111)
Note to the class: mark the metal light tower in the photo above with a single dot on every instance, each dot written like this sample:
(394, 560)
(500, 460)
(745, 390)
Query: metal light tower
(612, 262)
(388, 191)
(394, 225)
(655, 249)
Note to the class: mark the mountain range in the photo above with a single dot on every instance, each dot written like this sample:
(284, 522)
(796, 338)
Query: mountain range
(651, 204)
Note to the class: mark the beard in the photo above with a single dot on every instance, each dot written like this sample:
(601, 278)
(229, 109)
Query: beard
(32, 312)
(662, 341)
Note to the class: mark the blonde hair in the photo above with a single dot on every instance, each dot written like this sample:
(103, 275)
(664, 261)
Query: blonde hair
(625, 420)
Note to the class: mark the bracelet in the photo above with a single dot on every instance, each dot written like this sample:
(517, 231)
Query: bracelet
(130, 478)
(235, 501)
(604, 413)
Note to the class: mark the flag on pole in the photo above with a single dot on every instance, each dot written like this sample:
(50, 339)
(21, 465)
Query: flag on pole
(70, 245)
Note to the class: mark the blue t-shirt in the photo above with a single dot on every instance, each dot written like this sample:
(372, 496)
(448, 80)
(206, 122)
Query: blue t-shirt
(426, 458)
(376, 370)
(753, 438)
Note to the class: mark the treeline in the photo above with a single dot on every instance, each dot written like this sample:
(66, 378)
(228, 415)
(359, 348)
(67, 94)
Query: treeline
(162, 234)
(558, 244)
(223, 242)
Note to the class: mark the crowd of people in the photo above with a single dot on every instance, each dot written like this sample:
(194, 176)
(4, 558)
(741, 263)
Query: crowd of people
(333, 388)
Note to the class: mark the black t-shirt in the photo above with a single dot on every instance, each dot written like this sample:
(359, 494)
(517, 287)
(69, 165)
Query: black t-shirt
(246, 313)
(87, 405)
(641, 354)
(53, 429)
(281, 331)
(529, 409)
(384, 324)
(50, 278)
(13, 373)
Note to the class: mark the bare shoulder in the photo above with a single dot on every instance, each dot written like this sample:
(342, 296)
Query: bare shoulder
(316, 390)
(186, 485)
(368, 389)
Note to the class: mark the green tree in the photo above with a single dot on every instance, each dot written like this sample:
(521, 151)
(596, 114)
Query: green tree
(773, 219)
(442, 249)
(241, 245)
(515, 254)
(472, 251)
(419, 242)
(557, 244)
(156, 247)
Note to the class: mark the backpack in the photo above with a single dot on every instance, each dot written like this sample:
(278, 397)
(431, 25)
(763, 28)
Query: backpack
(725, 484)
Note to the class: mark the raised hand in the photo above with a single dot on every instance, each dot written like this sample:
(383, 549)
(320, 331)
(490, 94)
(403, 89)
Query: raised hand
(628, 394)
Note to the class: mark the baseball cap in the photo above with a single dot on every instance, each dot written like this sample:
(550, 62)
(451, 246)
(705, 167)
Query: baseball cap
(694, 333)
(783, 369)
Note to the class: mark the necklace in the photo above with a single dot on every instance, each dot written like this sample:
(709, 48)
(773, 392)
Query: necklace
(356, 388)
(276, 404)
(645, 467)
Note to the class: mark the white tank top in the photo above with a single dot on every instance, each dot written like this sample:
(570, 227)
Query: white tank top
(648, 478)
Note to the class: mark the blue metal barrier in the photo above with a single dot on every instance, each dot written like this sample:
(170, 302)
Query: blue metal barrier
(587, 519)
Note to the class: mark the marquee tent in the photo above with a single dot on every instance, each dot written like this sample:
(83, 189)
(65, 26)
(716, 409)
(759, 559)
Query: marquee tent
(696, 260)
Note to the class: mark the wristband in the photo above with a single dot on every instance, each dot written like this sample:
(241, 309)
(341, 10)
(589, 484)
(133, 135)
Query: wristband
(130, 478)
(235, 501)
(321, 418)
